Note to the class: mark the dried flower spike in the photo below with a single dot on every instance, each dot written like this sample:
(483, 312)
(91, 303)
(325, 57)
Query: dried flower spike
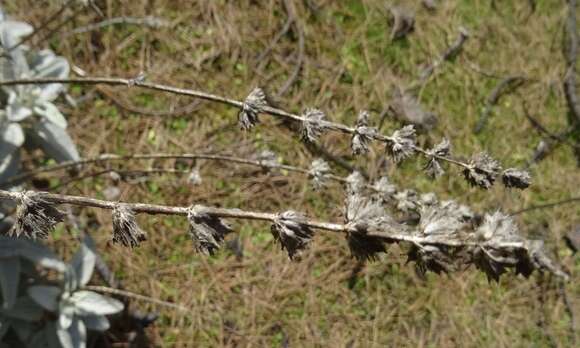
(482, 170)
(194, 177)
(433, 167)
(363, 134)
(267, 158)
(125, 229)
(436, 259)
(312, 126)
(206, 231)
(252, 106)
(291, 232)
(319, 171)
(512, 177)
(384, 189)
(402, 143)
(35, 217)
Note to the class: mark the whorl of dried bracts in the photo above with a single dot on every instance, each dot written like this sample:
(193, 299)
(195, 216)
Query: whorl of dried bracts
(125, 229)
(207, 231)
(482, 170)
(319, 171)
(35, 217)
(312, 127)
(512, 177)
(402, 143)
(433, 166)
(363, 134)
(290, 231)
(252, 106)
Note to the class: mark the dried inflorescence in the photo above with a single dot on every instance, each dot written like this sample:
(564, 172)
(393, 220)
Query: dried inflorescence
(402, 143)
(313, 125)
(436, 259)
(319, 171)
(440, 221)
(407, 200)
(384, 189)
(363, 134)
(363, 216)
(512, 177)
(207, 231)
(35, 217)
(292, 233)
(252, 106)
(482, 170)
(194, 177)
(267, 158)
(355, 182)
(125, 229)
(433, 166)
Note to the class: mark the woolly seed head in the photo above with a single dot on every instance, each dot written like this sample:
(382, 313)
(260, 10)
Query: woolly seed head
(252, 106)
(436, 220)
(291, 232)
(433, 167)
(355, 182)
(207, 231)
(125, 229)
(407, 200)
(312, 126)
(363, 134)
(512, 177)
(319, 171)
(402, 143)
(194, 177)
(482, 171)
(384, 189)
(499, 227)
(35, 217)
(430, 258)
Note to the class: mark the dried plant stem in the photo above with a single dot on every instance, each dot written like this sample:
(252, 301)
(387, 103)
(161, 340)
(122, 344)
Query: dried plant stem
(151, 22)
(331, 126)
(132, 295)
(400, 235)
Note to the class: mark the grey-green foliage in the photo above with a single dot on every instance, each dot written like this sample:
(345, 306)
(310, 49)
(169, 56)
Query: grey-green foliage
(26, 296)
(28, 115)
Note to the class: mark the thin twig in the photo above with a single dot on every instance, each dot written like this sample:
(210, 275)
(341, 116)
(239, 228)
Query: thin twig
(544, 206)
(149, 21)
(448, 54)
(504, 86)
(571, 61)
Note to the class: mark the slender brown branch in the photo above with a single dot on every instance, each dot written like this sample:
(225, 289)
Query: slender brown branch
(132, 295)
(332, 126)
(547, 205)
(447, 55)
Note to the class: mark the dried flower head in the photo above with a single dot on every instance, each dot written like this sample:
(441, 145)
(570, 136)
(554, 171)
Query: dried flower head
(207, 231)
(291, 232)
(312, 126)
(482, 170)
(363, 134)
(355, 182)
(498, 227)
(319, 171)
(402, 143)
(364, 215)
(433, 167)
(194, 177)
(384, 189)
(512, 177)
(252, 106)
(35, 217)
(125, 229)
(267, 158)
(437, 220)
(407, 200)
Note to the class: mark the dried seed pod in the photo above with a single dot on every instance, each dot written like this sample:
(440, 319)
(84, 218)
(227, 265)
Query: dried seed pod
(252, 106)
(319, 171)
(125, 229)
(312, 126)
(35, 217)
(433, 167)
(291, 232)
(207, 231)
(512, 177)
(355, 182)
(402, 143)
(363, 134)
(482, 170)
